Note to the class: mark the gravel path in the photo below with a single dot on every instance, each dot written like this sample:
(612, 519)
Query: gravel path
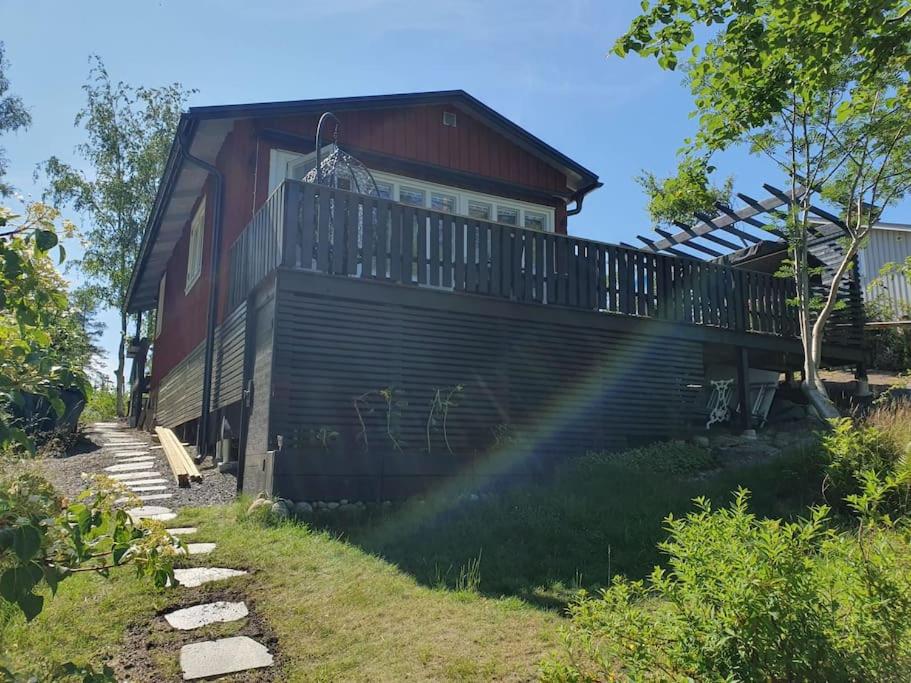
(93, 455)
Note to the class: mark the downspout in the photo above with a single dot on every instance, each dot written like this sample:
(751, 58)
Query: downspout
(202, 434)
(579, 197)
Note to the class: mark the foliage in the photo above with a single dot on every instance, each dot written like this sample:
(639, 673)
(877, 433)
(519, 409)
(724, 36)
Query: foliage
(13, 116)
(42, 346)
(438, 418)
(101, 407)
(129, 132)
(678, 198)
(749, 599)
(324, 437)
(44, 539)
(820, 89)
(675, 457)
(852, 451)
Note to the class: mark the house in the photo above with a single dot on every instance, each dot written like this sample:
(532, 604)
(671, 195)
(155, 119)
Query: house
(888, 243)
(363, 318)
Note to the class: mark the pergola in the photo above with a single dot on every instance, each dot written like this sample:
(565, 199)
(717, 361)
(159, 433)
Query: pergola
(731, 230)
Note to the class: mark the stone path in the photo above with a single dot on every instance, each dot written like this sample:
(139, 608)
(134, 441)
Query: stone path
(139, 468)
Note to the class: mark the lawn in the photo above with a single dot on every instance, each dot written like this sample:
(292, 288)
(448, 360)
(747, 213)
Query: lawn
(442, 589)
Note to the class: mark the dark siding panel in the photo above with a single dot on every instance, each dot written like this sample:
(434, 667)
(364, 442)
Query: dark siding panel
(568, 386)
(180, 392)
(228, 375)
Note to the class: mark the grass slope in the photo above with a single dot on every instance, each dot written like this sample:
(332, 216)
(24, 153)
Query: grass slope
(336, 612)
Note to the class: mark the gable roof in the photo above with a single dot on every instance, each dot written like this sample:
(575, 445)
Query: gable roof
(202, 130)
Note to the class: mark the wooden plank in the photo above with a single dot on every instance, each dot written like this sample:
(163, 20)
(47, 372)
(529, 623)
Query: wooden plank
(572, 272)
(507, 246)
(383, 221)
(483, 258)
(435, 243)
(460, 237)
(471, 262)
(421, 220)
(356, 214)
(396, 216)
(409, 239)
(172, 451)
(496, 260)
(368, 238)
(324, 242)
(539, 275)
(446, 274)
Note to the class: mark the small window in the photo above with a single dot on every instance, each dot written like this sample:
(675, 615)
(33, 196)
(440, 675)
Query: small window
(479, 210)
(449, 119)
(443, 202)
(159, 313)
(385, 190)
(194, 251)
(411, 196)
(535, 220)
(508, 215)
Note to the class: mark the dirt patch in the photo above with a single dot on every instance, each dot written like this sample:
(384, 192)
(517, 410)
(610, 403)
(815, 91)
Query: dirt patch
(151, 650)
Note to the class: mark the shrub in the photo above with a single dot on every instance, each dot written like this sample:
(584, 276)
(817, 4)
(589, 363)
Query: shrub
(893, 418)
(101, 406)
(748, 599)
(850, 450)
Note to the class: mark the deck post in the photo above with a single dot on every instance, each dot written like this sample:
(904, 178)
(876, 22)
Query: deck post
(743, 387)
(863, 386)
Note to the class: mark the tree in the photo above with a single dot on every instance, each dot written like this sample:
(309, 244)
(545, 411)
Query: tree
(13, 116)
(820, 87)
(41, 349)
(129, 131)
(678, 198)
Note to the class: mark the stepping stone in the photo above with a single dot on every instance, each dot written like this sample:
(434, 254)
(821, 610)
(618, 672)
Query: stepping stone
(197, 576)
(200, 548)
(220, 612)
(148, 489)
(131, 476)
(137, 458)
(158, 512)
(131, 453)
(136, 484)
(130, 466)
(222, 656)
(151, 496)
(182, 530)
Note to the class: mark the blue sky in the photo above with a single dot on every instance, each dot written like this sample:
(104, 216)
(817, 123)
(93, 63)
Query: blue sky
(542, 64)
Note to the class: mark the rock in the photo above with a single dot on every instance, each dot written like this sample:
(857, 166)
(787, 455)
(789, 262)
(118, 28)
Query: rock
(197, 576)
(748, 435)
(474, 497)
(280, 510)
(182, 530)
(303, 508)
(223, 656)
(228, 467)
(343, 501)
(701, 440)
(257, 504)
(332, 505)
(202, 615)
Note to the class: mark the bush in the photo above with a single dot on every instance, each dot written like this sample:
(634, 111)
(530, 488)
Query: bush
(101, 406)
(852, 450)
(748, 599)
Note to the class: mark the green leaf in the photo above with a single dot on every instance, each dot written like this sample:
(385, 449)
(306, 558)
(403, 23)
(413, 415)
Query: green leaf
(31, 605)
(19, 580)
(45, 239)
(26, 541)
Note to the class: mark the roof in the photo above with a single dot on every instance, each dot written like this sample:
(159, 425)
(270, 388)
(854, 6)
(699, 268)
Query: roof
(203, 130)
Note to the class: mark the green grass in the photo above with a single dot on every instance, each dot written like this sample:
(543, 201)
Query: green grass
(336, 612)
(597, 518)
(433, 590)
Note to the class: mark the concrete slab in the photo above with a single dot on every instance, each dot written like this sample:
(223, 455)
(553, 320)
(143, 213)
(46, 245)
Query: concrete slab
(134, 476)
(148, 512)
(200, 548)
(222, 656)
(147, 497)
(197, 576)
(148, 489)
(131, 466)
(202, 615)
(132, 453)
(182, 530)
(137, 458)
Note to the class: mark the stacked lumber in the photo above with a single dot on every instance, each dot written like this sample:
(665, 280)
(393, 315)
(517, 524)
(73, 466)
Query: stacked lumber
(181, 463)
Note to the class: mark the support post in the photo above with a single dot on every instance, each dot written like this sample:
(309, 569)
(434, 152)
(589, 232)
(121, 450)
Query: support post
(743, 388)
(863, 386)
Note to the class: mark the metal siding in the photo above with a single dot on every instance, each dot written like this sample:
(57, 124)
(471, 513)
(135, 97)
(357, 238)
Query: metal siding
(887, 246)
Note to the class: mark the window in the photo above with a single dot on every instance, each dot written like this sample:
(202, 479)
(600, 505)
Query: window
(159, 313)
(507, 215)
(444, 202)
(411, 196)
(535, 220)
(194, 251)
(479, 210)
(385, 190)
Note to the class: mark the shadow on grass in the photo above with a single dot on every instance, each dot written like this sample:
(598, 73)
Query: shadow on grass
(542, 542)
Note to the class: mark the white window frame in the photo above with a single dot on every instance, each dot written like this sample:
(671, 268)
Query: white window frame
(159, 313)
(195, 246)
(281, 162)
(465, 196)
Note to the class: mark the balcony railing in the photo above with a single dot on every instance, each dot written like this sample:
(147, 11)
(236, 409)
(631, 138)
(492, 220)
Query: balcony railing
(331, 231)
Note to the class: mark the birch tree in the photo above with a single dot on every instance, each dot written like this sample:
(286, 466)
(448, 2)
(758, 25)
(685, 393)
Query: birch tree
(818, 87)
(128, 133)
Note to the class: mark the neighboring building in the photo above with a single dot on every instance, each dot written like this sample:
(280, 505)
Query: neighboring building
(441, 307)
(888, 243)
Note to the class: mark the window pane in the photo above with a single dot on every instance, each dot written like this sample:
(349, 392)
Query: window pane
(443, 202)
(411, 196)
(479, 210)
(384, 190)
(535, 220)
(507, 215)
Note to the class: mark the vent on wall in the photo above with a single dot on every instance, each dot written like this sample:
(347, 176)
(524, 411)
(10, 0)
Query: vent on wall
(449, 119)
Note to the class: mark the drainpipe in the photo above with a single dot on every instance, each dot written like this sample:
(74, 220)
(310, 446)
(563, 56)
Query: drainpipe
(579, 197)
(202, 434)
